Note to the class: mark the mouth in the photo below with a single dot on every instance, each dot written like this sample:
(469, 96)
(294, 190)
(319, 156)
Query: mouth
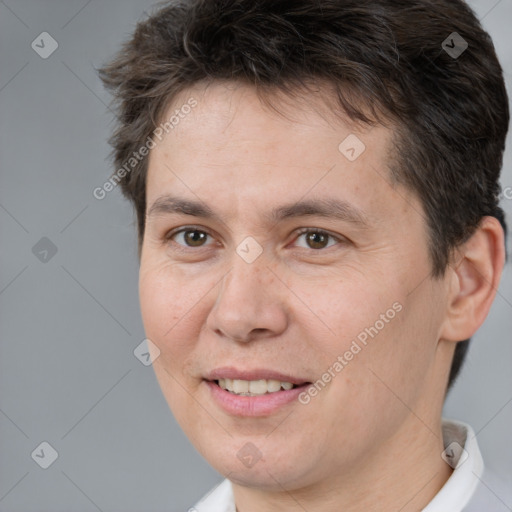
(253, 393)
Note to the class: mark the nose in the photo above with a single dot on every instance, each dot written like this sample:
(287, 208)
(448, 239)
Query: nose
(250, 303)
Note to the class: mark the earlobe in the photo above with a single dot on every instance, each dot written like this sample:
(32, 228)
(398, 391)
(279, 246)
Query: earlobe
(475, 274)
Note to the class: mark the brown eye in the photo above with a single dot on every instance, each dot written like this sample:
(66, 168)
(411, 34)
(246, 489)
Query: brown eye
(190, 237)
(317, 239)
(194, 238)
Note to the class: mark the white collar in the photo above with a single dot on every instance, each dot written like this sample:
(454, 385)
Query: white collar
(460, 487)
(218, 499)
(453, 496)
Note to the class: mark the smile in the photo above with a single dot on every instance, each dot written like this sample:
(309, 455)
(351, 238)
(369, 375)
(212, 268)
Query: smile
(254, 395)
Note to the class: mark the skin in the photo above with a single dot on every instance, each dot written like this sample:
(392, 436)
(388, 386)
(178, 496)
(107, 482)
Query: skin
(371, 439)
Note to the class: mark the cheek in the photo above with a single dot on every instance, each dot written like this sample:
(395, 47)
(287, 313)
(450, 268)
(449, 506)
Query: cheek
(157, 301)
(364, 320)
(167, 309)
(167, 299)
(394, 367)
(349, 310)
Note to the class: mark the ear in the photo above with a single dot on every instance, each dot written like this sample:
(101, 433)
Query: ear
(473, 280)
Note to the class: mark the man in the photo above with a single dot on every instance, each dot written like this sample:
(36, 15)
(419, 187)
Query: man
(316, 187)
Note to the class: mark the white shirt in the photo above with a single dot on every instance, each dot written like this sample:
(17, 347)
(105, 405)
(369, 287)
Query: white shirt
(470, 488)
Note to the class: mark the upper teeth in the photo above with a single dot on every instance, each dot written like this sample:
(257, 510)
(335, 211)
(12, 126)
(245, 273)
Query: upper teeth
(253, 387)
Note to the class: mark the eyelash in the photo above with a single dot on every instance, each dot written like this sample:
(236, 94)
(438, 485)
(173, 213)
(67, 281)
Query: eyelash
(300, 232)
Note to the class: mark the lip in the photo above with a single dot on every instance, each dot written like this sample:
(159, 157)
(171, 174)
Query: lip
(253, 406)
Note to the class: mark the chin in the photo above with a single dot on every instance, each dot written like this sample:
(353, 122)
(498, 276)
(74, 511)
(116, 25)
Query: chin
(269, 469)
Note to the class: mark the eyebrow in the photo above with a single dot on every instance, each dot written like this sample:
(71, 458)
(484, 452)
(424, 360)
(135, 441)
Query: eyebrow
(322, 207)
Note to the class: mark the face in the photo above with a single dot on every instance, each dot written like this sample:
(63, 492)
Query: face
(274, 253)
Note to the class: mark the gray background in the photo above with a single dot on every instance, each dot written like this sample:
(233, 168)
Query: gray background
(68, 326)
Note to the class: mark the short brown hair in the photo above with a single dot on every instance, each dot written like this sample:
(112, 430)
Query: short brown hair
(385, 59)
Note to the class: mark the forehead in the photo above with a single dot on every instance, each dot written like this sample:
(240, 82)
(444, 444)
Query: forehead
(227, 106)
(229, 128)
(243, 159)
